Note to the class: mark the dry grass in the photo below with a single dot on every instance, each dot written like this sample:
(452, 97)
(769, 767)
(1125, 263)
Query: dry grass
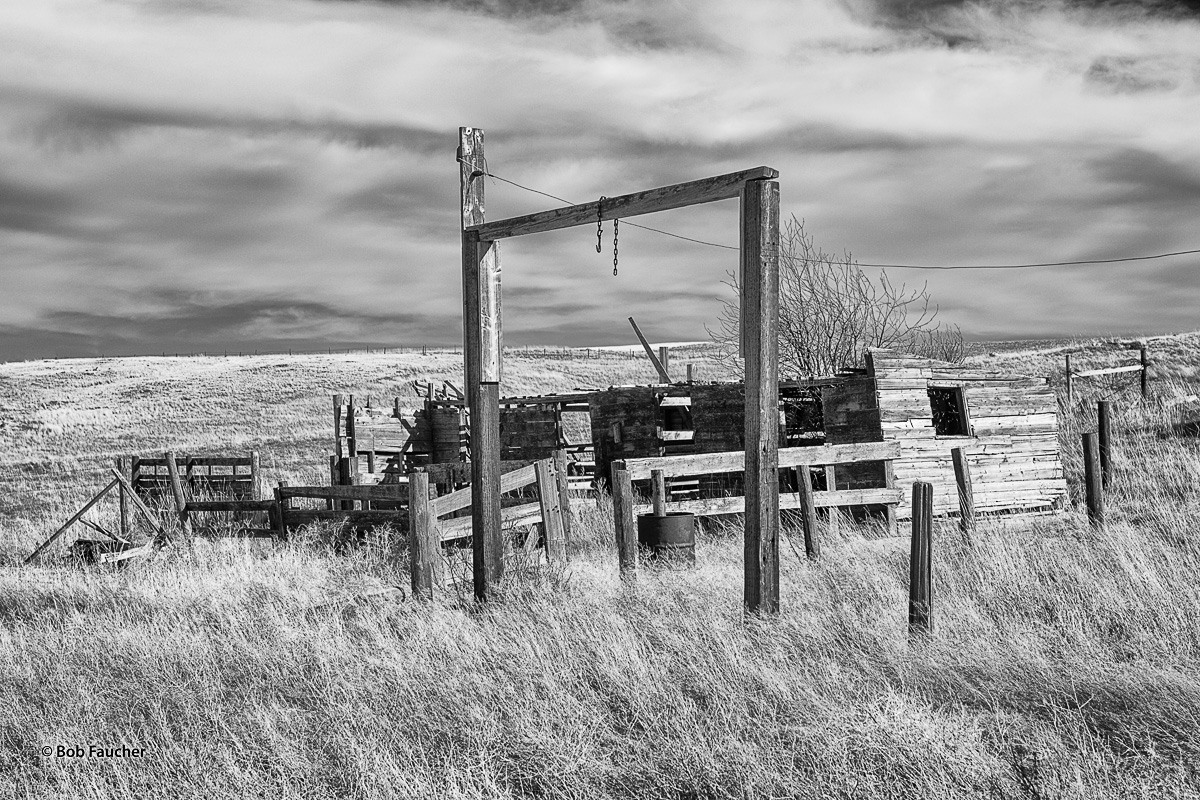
(1063, 662)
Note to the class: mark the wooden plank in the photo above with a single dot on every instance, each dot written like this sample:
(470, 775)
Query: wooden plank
(424, 544)
(552, 513)
(841, 498)
(460, 499)
(513, 516)
(74, 518)
(563, 477)
(676, 436)
(662, 372)
(1090, 373)
(229, 505)
(177, 494)
(760, 320)
(379, 491)
(675, 402)
(294, 518)
(122, 467)
(680, 195)
(734, 461)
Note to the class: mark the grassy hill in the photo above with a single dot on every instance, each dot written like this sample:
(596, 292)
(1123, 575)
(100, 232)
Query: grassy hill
(1063, 664)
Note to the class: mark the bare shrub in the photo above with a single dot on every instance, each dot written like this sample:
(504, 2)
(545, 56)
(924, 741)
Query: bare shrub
(831, 311)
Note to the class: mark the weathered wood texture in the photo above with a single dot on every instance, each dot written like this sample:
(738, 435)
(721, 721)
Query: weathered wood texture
(1092, 480)
(966, 496)
(1013, 449)
(224, 477)
(680, 195)
(1104, 430)
(424, 546)
(659, 367)
(920, 578)
(624, 523)
(759, 325)
(552, 512)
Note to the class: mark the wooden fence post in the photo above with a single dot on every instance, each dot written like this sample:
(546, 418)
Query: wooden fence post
(966, 496)
(1104, 432)
(759, 265)
(664, 358)
(177, 492)
(808, 512)
(255, 475)
(689, 373)
(563, 477)
(483, 357)
(122, 467)
(424, 545)
(920, 573)
(658, 492)
(1145, 360)
(1070, 388)
(1092, 480)
(552, 513)
(623, 521)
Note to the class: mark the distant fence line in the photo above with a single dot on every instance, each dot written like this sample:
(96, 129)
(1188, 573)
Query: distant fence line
(565, 353)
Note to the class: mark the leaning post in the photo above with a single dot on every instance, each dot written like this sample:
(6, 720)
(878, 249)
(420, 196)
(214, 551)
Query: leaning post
(759, 328)
(1104, 431)
(1145, 361)
(966, 494)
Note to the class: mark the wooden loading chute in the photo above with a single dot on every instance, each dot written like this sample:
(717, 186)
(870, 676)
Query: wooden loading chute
(758, 194)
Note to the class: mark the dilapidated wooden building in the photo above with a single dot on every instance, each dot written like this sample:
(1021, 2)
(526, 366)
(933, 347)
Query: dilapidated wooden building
(1006, 425)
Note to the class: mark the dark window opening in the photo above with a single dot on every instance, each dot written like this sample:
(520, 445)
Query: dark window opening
(949, 406)
(803, 417)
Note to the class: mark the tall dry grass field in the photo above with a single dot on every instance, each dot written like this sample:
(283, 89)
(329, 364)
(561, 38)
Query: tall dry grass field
(1063, 663)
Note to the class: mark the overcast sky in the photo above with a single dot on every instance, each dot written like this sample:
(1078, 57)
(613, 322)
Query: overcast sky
(201, 174)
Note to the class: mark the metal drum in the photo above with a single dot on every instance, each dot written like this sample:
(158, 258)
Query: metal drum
(670, 539)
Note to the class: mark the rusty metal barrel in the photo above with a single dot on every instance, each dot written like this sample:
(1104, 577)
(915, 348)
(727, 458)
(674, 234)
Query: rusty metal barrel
(669, 539)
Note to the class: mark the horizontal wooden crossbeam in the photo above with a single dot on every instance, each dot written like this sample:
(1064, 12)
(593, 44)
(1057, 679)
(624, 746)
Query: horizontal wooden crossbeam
(712, 463)
(1091, 373)
(680, 195)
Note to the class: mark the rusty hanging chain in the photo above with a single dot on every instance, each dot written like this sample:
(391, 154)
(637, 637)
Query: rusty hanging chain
(615, 223)
(599, 224)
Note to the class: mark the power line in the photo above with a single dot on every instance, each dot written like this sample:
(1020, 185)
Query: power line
(881, 266)
(1031, 266)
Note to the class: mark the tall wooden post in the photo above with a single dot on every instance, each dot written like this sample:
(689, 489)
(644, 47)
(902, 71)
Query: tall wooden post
(759, 327)
(920, 559)
(658, 492)
(966, 494)
(255, 473)
(482, 355)
(1092, 482)
(1104, 431)
(664, 358)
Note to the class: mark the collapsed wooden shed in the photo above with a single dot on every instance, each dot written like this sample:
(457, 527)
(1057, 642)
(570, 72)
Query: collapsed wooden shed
(1006, 424)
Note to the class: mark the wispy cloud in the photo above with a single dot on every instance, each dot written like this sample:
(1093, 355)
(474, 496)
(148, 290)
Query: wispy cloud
(291, 162)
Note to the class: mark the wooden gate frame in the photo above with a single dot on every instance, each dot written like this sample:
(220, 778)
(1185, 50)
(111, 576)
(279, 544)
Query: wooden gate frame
(758, 194)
